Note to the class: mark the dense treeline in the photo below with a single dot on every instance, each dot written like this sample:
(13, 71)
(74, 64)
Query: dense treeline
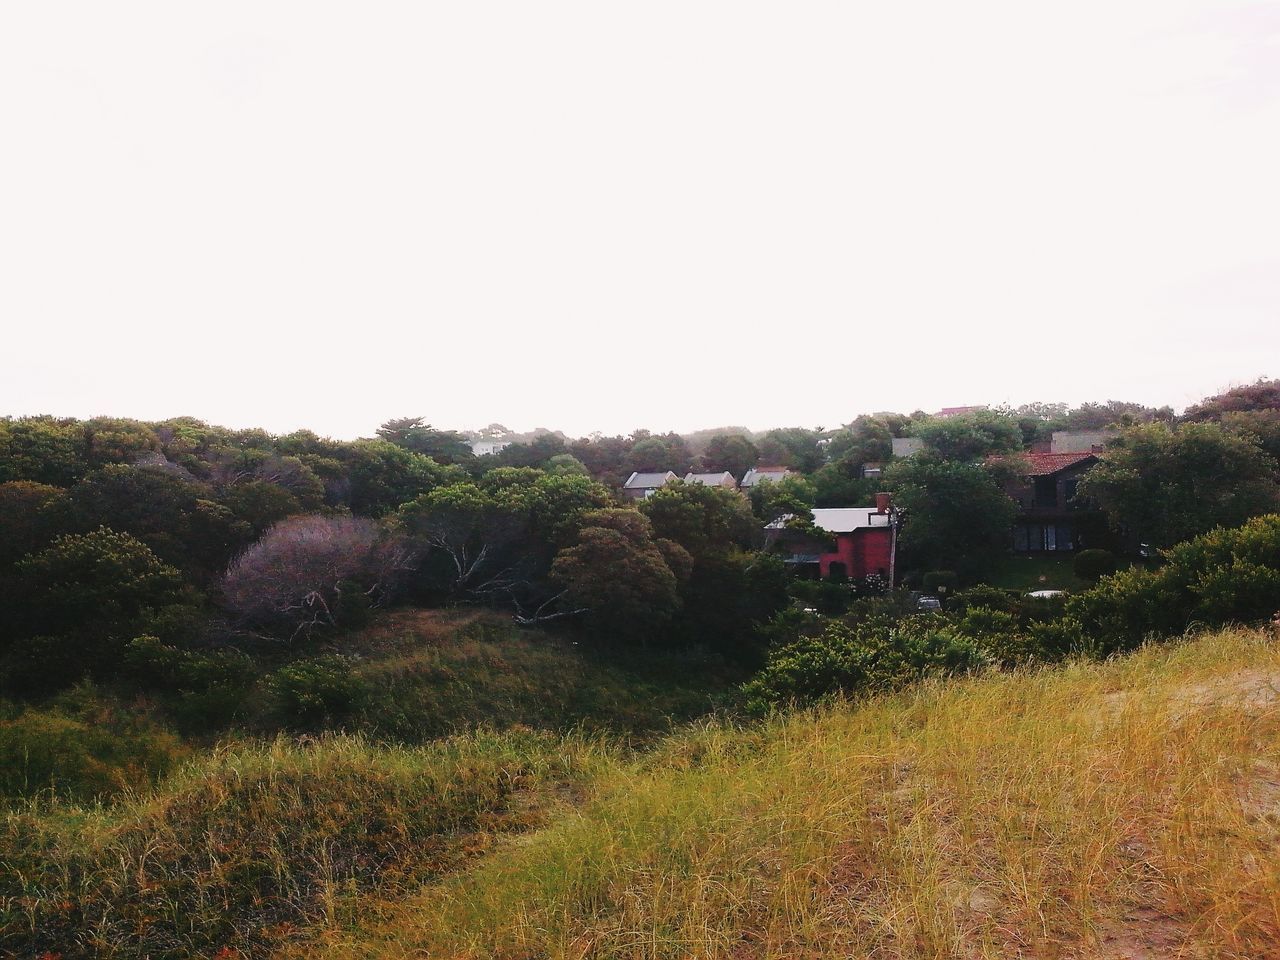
(173, 554)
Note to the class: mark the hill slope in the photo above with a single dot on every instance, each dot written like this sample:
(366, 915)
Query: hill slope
(1123, 810)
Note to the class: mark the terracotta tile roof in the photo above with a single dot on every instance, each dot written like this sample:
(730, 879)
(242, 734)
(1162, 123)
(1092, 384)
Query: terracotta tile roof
(1044, 464)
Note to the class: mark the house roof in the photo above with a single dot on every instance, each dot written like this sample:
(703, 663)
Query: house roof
(756, 474)
(840, 519)
(644, 481)
(711, 479)
(1045, 464)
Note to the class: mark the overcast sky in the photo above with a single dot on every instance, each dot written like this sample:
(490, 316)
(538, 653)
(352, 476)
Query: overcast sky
(599, 216)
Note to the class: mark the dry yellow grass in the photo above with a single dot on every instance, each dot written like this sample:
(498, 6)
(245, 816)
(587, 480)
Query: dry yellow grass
(1122, 810)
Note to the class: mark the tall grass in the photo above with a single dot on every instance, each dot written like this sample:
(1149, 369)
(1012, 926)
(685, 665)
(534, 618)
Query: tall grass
(239, 850)
(1094, 809)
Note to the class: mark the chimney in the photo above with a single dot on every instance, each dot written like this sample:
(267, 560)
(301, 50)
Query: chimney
(883, 502)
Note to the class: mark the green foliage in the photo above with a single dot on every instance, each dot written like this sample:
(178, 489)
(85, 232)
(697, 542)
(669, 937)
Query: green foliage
(793, 495)
(956, 515)
(238, 849)
(702, 519)
(1165, 484)
(82, 747)
(617, 576)
(43, 450)
(732, 452)
(259, 504)
(86, 595)
(794, 447)
(413, 433)
(841, 485)
(969, 437)
(174, 517)
(984, 595)
(28, 518)
(323, 692)
(868, 657)
(1092, 565)
(1228, 574)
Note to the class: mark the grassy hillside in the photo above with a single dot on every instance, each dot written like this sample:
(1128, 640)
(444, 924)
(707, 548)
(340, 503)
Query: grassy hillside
(1123, 810)
(1129, 809)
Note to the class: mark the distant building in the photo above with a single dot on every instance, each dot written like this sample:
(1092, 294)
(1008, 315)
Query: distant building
(863, 539)
(1051, 518)
(907, 446)
(722, 479)
(642, 485)
(1081, 441)
(484, 448)
(756, 474)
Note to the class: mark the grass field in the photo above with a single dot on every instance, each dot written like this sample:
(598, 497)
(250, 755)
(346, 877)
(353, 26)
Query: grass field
(1123, 810)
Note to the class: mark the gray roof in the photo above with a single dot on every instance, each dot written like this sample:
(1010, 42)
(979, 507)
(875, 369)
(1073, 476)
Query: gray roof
(645, 481)
(754, 476)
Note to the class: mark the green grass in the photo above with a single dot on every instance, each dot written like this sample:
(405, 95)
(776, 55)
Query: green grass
(432, 673)
(1123, 809)
(241, 849)
(1027, 573)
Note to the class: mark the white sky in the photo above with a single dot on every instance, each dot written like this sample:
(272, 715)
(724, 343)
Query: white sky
(601, 215)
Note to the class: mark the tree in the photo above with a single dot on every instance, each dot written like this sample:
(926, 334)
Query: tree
(1165, 483)
(617, 576)
(970, 436)
(793, 447)
(1252, 410)
(956, 515)
(27, 510)
(81, 599)
(382, 476)
(175, 517)
(566, 464)
(731, 452)
(413, 433)
(840, 484)
(260, 504)
(42, 449)
(792, 495)
(308, 570)
(472, 530)
(868, 439)
(701, 518)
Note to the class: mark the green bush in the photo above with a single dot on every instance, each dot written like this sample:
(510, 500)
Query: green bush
(1092, 565)
(997, 633)
(82, 748)
(1222, 576)
(316, 693)
(863, 658)
(985, 595)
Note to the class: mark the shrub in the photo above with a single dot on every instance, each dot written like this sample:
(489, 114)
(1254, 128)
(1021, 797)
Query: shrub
(315, 693)
(82, 748)
(1091, 565)
(1221, 576)
(302, 573)
(868, 657)
(985, 595)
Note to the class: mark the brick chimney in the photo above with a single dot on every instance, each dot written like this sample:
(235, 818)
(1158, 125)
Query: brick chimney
(883, 502)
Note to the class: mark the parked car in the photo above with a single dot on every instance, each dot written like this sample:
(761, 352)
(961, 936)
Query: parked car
(1047, 594)
(928, 603)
